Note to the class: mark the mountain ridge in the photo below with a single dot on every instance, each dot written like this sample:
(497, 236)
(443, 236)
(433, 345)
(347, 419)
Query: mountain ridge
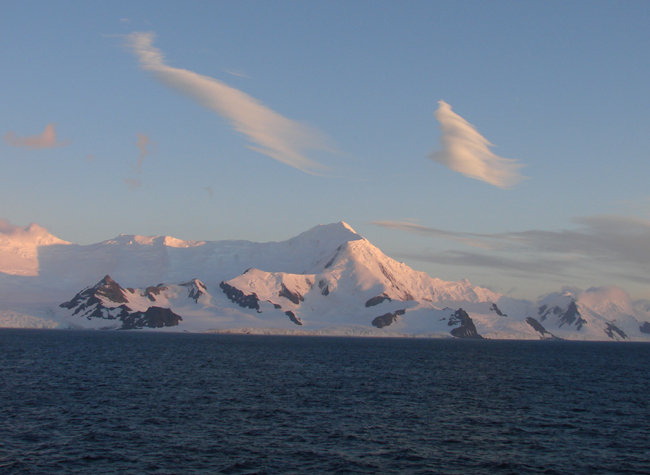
(326, 277)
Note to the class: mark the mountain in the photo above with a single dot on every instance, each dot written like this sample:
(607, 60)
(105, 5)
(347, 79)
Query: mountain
(19, 248)
(327, 280)
(129, 308)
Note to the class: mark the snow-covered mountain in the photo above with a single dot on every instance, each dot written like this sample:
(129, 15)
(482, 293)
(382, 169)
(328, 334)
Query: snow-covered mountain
(328, 280)
(19, 248)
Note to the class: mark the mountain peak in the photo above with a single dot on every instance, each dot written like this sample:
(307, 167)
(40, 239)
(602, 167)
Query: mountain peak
(338, 233)
(346, 226)
(29, 236)
(19, 247)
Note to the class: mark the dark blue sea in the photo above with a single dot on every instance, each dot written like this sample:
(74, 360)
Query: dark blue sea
(151, 403)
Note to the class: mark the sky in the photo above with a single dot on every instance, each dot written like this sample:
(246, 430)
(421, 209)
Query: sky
(506, 143)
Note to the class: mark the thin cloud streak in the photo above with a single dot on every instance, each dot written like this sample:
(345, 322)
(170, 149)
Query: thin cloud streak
(465, 150)
(47, 139)
(605, 240)
(273, 135)
(522, 268)
(471, 239)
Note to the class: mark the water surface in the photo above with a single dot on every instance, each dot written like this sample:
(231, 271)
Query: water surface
(142, 402)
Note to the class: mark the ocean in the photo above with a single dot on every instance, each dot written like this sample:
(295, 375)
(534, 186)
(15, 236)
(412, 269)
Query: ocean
(172, 403)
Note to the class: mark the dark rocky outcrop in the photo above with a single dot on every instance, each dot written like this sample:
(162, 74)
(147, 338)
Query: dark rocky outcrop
(151, 292)
(324, 288)
(239, 297)
(538, 327)
(498, 311)
(153, 317)
(111, 290)
(294, 297)
(293, 317)
(196, 289)
(570, 316)
(645, 328)
(467, 329)
(377, 300)
(611, 329)
(387, 319)
(106, 288)
(331, 261)
(105, 313)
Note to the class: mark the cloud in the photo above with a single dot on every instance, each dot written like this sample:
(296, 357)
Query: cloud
(47, 139)
(466, 151)
(472, 239)
(133, 184)
(603, 242)
(238, 74)
(143, 141)
(521, 267)
(271, 133)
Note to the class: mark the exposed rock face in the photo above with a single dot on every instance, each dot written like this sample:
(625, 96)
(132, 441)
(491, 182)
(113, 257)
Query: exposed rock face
(377, 300)
(196, 289)
(496, 310)
(239, 297)
(293, 317)
(294, 297)
(467, 329)
(151, 292)
(387, 319)
(324, 288)
(107, 288)
(331, 261)
(153, 317)
(572, 315)
(611, 329)
(645, 328)
(569, 316)
(540, 328)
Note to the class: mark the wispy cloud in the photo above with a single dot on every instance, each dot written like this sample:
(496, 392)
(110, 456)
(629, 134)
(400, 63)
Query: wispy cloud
(465, 150)
(47, 139)
(520, 267)
(237, 73)
(610, 241)
(273, 135)
(143, 141)
(472, 239)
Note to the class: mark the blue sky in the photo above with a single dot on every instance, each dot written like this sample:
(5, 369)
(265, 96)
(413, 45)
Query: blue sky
(259, 120)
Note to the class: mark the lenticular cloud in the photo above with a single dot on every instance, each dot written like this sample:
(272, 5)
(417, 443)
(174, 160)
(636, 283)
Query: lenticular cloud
(466, 151)
(273, 135)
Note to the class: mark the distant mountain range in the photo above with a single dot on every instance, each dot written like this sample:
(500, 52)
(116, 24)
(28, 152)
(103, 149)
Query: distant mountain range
(328, 280)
